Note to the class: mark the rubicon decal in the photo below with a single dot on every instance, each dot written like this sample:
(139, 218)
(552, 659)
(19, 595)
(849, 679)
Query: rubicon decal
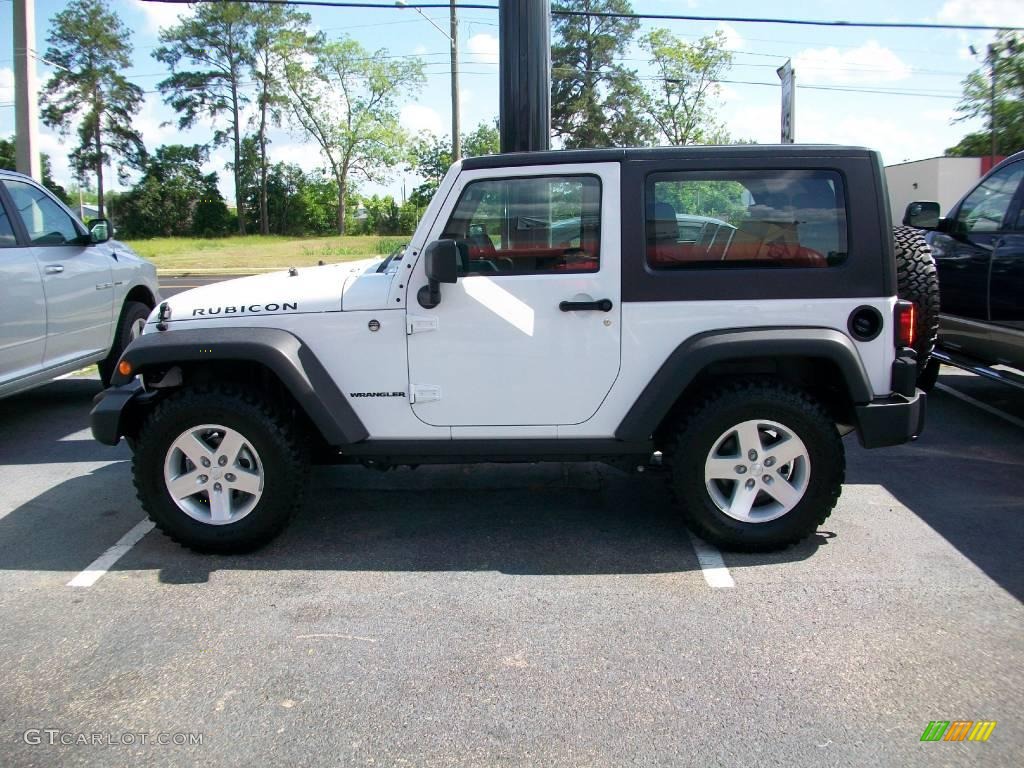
(376, 394)
(252, 309)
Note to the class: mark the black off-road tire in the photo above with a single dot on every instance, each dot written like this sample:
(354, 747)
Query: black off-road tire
(282, 452)
(917, 280)
(127, 327)
(697, 433)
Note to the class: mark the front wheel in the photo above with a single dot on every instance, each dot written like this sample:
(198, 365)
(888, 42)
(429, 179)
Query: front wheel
(757, 466)
(219, 470)
(129, 328)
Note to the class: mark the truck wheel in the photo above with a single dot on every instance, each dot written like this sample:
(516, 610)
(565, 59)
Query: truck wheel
(129, 328)
(219, 470)
(757, 466)
(917, 280)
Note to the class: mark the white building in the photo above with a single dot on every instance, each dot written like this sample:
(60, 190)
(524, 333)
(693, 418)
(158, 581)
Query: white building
(943, 179)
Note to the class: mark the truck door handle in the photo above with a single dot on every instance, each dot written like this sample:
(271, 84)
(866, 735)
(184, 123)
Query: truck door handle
(53, 269)
(601, 305)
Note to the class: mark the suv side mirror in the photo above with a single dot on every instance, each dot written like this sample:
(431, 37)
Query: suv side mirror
(922, 214)
(441, 264)
(99, 230)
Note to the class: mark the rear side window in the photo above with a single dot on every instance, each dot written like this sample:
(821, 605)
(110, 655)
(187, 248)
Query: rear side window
(763, 219)
(528, 226)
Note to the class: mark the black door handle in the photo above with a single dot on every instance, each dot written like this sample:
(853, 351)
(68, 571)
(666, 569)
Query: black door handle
(601, 305)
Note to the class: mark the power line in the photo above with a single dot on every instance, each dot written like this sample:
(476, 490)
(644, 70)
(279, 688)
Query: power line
(614, 15)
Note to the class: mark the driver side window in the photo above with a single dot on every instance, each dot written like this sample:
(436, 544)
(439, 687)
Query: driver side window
(985, 208)
(47, 223)
(527, 226)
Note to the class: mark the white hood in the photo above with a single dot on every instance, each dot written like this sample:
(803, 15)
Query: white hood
(309, 289)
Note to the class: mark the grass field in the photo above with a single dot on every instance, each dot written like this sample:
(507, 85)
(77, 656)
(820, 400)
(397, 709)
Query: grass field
(252, 253)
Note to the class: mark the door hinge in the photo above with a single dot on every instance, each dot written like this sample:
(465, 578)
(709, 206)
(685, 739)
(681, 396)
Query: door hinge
(425, 393)
(420, 324)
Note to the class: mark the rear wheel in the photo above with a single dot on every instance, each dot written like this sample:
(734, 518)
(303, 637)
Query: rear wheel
(219, 470)
(757, 466)
(917, 280)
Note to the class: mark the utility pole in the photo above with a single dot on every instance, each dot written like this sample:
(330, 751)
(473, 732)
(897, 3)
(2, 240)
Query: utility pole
(787, 75)
(26, 97)
(993, 55)
(524, 115)
(456, 126)
(453, 38)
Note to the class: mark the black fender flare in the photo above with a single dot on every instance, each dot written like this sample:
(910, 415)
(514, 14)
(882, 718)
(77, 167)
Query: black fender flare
(696, 353)
(281, 352)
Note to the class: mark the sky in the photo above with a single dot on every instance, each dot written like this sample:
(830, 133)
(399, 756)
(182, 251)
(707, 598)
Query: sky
(883, 67)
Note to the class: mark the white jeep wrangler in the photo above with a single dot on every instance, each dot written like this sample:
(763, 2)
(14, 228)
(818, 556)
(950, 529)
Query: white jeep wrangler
(729, 312)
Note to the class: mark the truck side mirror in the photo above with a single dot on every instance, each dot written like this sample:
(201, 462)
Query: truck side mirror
(922, 214)
(99, 231)
(441, 264)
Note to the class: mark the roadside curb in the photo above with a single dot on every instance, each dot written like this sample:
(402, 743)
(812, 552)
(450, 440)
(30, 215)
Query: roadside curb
(208, 272)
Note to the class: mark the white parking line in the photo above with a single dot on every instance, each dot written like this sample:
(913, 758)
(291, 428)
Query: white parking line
(712, 565)
(105, 562)
(983, 406)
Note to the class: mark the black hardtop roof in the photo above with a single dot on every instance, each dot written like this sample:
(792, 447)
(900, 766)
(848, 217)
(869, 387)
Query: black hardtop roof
(738, 151)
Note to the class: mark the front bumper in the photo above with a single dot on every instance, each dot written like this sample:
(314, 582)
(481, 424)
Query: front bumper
(892, 420)
(107, 417)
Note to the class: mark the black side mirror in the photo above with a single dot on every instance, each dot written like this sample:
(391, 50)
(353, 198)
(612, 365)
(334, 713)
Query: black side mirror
(922, 214)
(99, 230)
(441, 264)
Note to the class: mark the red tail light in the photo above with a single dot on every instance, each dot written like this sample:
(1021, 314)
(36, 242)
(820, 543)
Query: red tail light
(906, 323)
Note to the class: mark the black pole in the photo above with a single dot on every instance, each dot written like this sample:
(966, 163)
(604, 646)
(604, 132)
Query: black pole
(525, 63)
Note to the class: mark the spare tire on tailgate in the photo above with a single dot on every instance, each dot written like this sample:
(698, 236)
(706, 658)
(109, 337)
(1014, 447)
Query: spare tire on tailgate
(917, 280)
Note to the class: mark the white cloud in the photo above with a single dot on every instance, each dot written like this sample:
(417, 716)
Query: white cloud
(162, 14)
(416, 118)
(305, 155)
(420, 49)
(869, 63)
(149, 123)
(993, 13)
(6, 84)
(57, 148)
(733, 39)
(484, 47)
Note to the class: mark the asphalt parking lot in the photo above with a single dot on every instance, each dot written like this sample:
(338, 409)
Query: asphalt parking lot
(523, 615)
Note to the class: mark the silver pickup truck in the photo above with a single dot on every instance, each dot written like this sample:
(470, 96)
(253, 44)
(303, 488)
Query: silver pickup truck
(69, 295)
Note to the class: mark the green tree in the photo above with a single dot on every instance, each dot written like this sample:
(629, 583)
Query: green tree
(594, 98)
(90, 48)
(482, 140)
(8, 162)
(431, 156)
(345, 102)
(681, 101)
(209, 55)
(1008, 105)
(174, 197)
(278, 30)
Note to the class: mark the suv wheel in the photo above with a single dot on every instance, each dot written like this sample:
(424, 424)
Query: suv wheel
(219, 470)
(757, 466)
(129, 328)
